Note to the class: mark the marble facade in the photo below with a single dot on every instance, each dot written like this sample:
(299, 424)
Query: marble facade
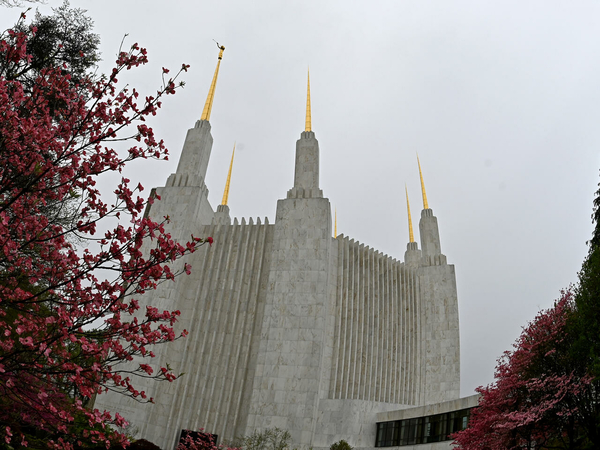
(290, 327)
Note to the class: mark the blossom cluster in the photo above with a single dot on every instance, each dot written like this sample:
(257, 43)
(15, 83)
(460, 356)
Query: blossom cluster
(536, 398)
(65, 324)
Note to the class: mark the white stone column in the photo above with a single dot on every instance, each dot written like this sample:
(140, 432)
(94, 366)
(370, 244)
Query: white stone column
(412, 255)
(306, 173)
(196, 150)
(430, 235)
(440, 329)
(288, 373)
(441, 335)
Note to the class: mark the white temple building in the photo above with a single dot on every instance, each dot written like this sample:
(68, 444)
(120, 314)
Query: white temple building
(293, 327)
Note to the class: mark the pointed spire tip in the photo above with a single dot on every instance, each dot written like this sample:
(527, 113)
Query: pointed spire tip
(425, 204)
(211, 92)
(308, 123)
(411, 235)
(226, 191)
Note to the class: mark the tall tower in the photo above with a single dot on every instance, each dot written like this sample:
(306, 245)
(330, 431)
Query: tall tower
(184, 200)
(186, 188)
(428, 228)
(286, 393)
(441, 353)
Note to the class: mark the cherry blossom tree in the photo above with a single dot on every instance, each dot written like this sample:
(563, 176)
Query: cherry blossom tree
(537, 398)
(200, 440)
(72, 262)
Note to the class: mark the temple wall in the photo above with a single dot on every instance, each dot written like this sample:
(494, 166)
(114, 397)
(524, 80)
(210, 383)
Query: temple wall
(315, 337)
(229, 286)
(220, 305)
(294, 334)
(350, 420)
(377, 330)
(441, 335)
(289, 327)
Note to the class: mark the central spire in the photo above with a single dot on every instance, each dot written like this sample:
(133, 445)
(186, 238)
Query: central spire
(306, 172)
(308, 126)
(213, 85)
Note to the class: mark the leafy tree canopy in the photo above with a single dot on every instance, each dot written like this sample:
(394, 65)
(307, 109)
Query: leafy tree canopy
(63, 40)
(340, 445)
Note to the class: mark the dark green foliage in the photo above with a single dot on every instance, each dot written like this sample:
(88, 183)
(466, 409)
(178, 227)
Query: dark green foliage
(143, 444)
(584, 327)
(340, 445)
(595, 241)
(586, 323)
(64, 39)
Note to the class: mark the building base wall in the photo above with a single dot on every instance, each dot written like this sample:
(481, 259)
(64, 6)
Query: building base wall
(350, 420)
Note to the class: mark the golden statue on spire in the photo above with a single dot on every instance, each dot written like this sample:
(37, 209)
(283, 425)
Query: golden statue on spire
(226, 192)
(213, 85)
(308, 126)
(411, 237)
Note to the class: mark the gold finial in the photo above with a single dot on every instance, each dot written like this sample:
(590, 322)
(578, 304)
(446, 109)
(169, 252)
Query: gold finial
(213, 85)
(335, 228)
(425, 205)
(226, 192)
(308, 120)
(411, 236)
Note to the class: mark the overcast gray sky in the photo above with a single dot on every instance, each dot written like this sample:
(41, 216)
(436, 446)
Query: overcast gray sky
(499, 99)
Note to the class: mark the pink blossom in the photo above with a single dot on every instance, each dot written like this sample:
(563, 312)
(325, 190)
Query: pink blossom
(56, 137)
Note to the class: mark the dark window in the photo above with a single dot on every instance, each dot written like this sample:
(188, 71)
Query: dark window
(434, 431)
(421, 430)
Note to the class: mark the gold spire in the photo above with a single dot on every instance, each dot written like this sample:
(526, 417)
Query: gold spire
(411, 236)
(226, 192)
(308, 120)
(211, 91)
(425, 205)
(335, 228)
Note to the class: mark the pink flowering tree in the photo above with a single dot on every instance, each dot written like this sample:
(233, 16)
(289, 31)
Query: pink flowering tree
(73, 263)
(200, 441)
(538, 397)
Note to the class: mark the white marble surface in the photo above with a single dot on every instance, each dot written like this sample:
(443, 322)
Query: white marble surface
(290, 327)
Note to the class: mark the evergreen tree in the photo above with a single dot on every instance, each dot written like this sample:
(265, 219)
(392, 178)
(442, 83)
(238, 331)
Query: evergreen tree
(584, 326)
